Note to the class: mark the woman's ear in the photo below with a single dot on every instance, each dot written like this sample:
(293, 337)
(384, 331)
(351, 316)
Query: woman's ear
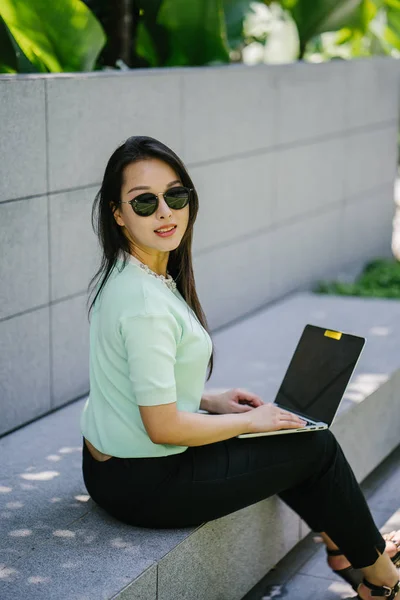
(116, 213)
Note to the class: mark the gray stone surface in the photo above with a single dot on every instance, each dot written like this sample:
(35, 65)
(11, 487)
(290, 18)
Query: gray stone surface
(380, 407)
(243, 545)
(320, 167)
(365, 168)
(89, 116)
(373, 212)
(311, 101)
(304, 250)
(24, 271)
(234, 279)
(23, 138)
(52, 440)
(312, 149)
(75, 252)
(24, 369)
(143, 588)
(304, 587)
(56, 542)
(76, 566)
(236, 103)
(232, 221)
(372, 91)
(70, 349)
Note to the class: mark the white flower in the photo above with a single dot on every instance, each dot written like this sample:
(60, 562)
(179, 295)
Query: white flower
(283, 42)
(253, 53)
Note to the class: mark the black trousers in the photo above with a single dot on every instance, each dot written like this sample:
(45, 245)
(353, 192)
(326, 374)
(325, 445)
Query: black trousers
(308, 471)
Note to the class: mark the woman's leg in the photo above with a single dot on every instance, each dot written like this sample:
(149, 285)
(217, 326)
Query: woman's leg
(332, 501)
(307, 470)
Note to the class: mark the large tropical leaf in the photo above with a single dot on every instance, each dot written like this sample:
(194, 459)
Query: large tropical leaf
(152, 39)
(8, 58)
(196, 31)
(317, 16)
(54, 36)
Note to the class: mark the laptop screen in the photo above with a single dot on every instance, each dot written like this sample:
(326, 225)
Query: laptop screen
(318, 373)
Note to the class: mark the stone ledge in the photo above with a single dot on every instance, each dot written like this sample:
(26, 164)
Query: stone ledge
(56, 543)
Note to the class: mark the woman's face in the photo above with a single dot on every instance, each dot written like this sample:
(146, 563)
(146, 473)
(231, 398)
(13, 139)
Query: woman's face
(151, 175)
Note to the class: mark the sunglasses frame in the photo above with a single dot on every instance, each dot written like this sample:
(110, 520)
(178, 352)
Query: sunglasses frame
(131, 202)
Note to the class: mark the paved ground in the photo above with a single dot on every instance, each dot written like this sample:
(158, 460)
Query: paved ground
(303, 574)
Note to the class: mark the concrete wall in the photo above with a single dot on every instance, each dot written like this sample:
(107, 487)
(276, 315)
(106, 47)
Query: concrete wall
(294, 166)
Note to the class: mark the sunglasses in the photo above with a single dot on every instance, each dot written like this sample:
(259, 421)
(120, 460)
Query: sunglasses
(146, 204)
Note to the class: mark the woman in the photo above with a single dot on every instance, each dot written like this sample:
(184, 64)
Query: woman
(149, 457)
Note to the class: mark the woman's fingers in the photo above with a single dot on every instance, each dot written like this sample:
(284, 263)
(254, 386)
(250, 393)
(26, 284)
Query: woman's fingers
(288, 417)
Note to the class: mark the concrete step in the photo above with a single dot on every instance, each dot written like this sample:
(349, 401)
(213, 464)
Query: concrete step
(56, 543)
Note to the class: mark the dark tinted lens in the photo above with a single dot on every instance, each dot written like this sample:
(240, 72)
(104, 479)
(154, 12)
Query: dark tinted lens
(177, 197)
(145, 204)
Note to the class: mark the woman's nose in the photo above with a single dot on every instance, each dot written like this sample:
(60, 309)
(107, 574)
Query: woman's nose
(162, 205)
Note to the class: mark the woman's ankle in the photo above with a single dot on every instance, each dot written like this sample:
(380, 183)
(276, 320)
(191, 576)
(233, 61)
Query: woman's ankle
(382, 572)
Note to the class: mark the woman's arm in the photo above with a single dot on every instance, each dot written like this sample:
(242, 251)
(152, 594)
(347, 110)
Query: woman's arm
(165, 424)
(206, 402)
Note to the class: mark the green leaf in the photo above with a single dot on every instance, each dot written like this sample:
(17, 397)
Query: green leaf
(318, 16)
(378, 45)
(392, 31)
(235, 11)
(197, 32)
(8, 57)
(390, 37)
(54, 36)
(12, 59)
(145, 46)
(152, 40)
(393, 4)
(344, 36)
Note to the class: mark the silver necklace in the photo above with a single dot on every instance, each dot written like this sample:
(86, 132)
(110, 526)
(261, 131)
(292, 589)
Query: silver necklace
(169, 281)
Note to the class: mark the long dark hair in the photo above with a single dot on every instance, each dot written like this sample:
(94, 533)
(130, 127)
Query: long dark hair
(113, 242)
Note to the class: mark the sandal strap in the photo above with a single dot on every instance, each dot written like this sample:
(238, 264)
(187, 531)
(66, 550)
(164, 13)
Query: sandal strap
(334, 552)
(382, 590)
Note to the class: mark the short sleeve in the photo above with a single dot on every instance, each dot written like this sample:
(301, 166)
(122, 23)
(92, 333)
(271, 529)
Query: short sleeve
(151, 342)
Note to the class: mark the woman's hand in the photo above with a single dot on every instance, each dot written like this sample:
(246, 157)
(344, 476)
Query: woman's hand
(233, 401)
(270, 417)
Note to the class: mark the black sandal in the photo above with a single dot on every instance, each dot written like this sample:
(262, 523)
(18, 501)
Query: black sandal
(382, 590)
(395, 559)
(352, 576)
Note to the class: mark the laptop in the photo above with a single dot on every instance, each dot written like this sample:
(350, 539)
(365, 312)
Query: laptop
(316, 378)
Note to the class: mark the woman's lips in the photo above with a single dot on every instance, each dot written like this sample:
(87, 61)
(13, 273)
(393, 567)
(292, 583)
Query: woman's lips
(167, 234)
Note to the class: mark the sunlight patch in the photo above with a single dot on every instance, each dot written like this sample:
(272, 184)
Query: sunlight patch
(65, 533)
(67, 450)
(39, 579)
(54, 457)
(340, 589)
(42, 476)
(6, 572)
(16, 504)
(82, 498)
(20, 533)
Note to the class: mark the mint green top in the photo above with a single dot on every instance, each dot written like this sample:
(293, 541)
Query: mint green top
(147, 347)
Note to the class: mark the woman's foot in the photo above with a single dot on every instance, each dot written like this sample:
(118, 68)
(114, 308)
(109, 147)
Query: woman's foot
(368, 591)
(339, 562)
